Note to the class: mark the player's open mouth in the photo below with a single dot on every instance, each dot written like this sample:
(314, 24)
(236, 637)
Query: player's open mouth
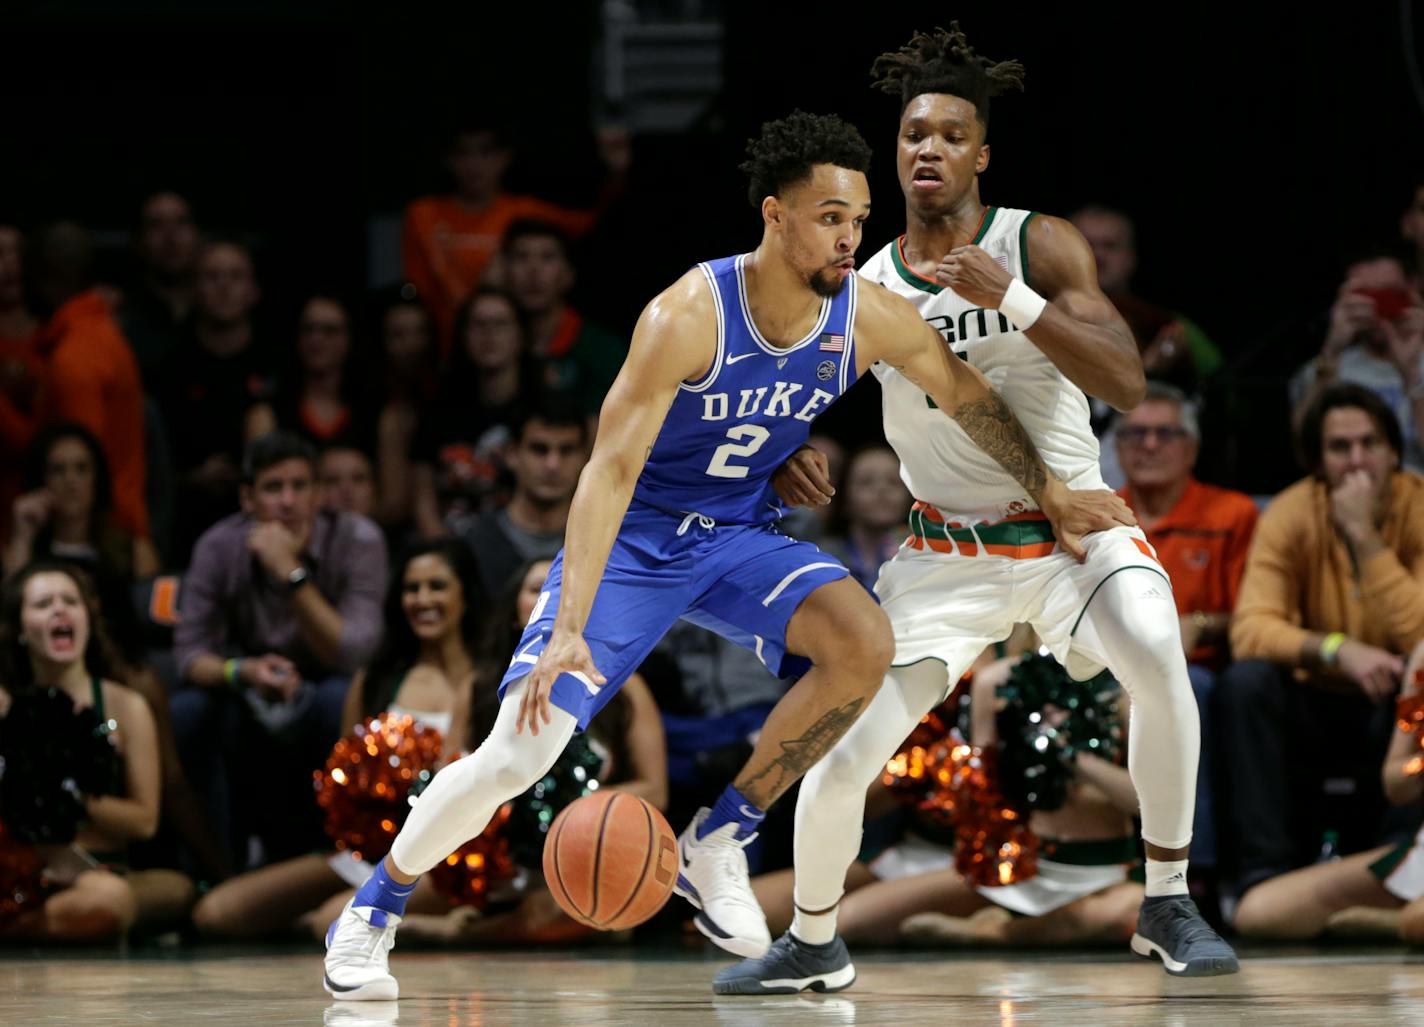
(927, 178)
(845, 265)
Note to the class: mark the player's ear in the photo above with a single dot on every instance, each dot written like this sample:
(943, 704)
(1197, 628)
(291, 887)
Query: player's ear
(982, 163)
(771, 211)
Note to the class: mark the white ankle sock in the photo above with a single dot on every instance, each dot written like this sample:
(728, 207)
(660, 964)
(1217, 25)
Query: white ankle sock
(1166, 877)
(814, 928)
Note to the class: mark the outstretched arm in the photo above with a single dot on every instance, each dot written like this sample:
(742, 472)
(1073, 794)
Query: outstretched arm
(1078, 329)
(673, 342)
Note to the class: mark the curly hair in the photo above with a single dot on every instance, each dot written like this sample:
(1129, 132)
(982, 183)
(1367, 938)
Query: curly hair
(786, 151)
(943, 62)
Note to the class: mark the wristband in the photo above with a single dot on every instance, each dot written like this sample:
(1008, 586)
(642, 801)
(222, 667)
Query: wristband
(231, 669)
(1021, 305)
(1330, 648)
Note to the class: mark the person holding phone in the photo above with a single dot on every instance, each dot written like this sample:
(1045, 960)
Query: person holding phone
(1374, 338)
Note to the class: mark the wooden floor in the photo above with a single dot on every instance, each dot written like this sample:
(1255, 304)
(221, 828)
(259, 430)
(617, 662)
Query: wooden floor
(628, 986)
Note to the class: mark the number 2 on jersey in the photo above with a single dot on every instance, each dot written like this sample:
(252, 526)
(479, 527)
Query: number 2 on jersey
(719, 468)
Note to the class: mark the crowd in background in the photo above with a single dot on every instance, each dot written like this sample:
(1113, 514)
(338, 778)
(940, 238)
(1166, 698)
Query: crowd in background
(238, 530)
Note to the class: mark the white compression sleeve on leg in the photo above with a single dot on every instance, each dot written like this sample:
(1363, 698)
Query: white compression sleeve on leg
(1131, 622)
(831, 806)
(465, 794)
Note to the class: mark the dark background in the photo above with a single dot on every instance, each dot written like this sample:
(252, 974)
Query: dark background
(1255, 149)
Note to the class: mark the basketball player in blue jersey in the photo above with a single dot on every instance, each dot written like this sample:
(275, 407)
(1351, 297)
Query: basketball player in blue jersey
(1015, 294)
(674, 517)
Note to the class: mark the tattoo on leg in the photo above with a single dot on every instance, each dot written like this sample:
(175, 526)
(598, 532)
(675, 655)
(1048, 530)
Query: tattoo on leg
(995, 430)
(799, 755)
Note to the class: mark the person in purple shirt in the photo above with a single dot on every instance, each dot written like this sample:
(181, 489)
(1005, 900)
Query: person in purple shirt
(280, 605)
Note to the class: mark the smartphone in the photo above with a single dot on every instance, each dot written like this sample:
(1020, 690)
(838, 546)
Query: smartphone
(1389, 303)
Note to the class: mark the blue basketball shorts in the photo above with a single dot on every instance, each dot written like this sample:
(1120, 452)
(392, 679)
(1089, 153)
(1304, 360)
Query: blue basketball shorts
(742, 581)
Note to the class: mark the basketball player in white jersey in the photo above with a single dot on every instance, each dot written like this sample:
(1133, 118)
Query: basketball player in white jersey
(1016, 295)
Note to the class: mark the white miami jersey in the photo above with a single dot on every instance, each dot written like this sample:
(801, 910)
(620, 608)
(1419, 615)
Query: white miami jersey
(938, 462)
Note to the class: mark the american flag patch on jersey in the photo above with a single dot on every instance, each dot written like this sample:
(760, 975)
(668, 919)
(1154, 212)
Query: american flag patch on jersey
(832, 343)
(1002, 260)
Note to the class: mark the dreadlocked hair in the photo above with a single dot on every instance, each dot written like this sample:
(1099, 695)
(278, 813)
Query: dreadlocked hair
(943, 62)
(786, 151)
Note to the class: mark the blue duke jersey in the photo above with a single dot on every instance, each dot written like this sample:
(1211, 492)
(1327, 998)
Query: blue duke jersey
(726, 434)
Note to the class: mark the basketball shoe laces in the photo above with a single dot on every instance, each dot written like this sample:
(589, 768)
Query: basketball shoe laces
(1182, 917)
(359, 943)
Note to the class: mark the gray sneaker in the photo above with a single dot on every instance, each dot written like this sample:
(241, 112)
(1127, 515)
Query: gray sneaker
(1170, 928)
(789, 966)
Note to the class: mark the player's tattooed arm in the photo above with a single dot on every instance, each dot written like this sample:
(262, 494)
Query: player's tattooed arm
(995, 430)
(963, 393)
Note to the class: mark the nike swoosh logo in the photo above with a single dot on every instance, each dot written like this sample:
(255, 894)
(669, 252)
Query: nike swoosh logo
(740, 356)
(751, 814)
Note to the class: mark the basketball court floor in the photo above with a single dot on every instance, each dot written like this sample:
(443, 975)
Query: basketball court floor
(1276, 988)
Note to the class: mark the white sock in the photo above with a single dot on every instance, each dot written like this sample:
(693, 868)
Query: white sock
(814, 928)
(1166, 877)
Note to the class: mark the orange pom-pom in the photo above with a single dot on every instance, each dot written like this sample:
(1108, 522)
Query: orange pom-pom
(367, 778)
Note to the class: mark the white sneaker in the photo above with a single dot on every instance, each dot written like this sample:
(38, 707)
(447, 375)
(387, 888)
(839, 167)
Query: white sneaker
(713, 877)
(358, 943)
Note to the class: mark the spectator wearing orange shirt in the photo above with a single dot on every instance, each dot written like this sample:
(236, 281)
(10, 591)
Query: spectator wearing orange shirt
(19, 368)
(90, 375)
(449, 241)
(1201, 534)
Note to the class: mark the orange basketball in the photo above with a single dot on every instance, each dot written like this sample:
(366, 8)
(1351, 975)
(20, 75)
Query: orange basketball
(610, 860)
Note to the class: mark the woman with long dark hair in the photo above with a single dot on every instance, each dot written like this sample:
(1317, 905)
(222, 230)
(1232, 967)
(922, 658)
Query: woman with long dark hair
(52, 636)
(425, 667)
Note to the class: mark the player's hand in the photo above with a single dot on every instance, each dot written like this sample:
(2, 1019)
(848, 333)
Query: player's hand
(1074, 514)
(805, 479)
(974, 276)
(566, 653)
(1376, 671)
(273, 676)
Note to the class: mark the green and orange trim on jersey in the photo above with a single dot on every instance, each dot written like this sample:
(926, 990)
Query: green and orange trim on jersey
(912, 277)
(1020, 537)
